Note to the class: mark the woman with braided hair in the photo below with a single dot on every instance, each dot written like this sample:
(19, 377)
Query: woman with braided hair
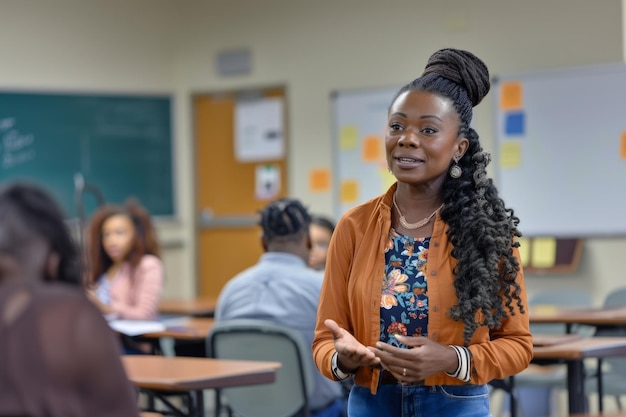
(423, 297)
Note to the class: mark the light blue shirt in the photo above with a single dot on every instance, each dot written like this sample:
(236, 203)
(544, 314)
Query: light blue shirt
(283, 289)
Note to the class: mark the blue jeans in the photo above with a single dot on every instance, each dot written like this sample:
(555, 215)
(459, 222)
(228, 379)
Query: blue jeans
(420, 401)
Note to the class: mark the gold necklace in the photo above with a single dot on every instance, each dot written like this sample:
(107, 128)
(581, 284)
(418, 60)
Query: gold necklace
(413, 226)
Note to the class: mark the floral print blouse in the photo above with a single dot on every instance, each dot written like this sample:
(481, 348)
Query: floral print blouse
(404, 299)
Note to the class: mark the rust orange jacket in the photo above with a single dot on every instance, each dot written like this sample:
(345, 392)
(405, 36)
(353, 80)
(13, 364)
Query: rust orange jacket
(352, 290)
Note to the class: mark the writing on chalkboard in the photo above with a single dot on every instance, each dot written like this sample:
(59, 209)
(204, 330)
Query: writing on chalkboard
(16, 147)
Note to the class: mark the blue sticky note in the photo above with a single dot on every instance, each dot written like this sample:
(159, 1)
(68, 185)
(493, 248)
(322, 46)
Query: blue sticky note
(515, 123)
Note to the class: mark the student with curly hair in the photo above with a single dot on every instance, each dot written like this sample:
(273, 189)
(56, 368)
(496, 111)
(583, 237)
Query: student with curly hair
(125, 273)
(424, 297)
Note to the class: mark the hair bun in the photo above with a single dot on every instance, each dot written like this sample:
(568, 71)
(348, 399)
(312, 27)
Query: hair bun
(463, 68)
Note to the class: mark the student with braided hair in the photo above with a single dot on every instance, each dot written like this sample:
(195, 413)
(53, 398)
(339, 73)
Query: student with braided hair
(423, 297)
(283, 289)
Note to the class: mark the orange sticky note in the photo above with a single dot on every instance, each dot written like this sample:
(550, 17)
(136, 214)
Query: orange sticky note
(511, 96)
(372, 149)
(623, 150)
(319, 180)
(349, 191)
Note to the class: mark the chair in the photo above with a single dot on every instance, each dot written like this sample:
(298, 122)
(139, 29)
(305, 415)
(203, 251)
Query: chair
(262, 340)
(614, 377)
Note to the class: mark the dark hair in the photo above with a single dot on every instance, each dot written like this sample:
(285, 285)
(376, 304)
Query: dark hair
(481, 229)
(285, 220)
(324, 222)
(145, 242)
(27, 209)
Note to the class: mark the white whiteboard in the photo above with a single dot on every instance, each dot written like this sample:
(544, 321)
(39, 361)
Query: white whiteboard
(360, 167)
(561, 150)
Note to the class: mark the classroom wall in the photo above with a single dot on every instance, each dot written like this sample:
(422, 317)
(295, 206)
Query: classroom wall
(313, 49)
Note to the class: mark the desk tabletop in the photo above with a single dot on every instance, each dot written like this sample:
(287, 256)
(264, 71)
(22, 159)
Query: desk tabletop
(200, 306)
(590, 347)
(187, 328)
(582, 315)
(554, 339)
(187, 374)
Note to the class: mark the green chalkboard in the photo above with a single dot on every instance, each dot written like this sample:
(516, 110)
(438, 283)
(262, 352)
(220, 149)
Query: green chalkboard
(121, 144)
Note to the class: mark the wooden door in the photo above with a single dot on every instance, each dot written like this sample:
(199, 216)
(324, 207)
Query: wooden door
(227, 233)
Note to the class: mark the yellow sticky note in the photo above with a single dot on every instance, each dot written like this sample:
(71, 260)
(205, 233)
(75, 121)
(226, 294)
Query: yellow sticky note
(387, 178)
(511, 154)
(349, 191)
(348, 136)
(372, 149)
(511, 95)
(319, 180)
(524, 250)
(623, 147)
(543, 252)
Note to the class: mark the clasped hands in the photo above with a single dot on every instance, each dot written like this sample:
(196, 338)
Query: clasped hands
(423, 358)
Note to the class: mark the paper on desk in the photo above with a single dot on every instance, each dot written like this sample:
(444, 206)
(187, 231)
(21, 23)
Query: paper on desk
(136, 327)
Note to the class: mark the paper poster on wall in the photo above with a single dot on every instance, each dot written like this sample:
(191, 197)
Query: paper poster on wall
(267, 182)
(258, 128)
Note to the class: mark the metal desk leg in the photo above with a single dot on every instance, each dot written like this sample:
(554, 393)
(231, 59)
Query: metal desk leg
(600, 387)
(576, 387)
(197, 402)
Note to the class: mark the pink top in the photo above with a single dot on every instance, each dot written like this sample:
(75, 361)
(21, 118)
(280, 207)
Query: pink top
(135, 294)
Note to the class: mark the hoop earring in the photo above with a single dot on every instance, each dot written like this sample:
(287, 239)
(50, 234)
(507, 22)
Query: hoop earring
(455, 169)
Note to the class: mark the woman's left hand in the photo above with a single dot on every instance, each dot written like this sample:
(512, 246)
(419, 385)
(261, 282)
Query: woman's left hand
(423, 358)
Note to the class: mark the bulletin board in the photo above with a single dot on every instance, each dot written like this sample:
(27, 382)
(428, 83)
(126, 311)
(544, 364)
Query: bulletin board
(360, 167)
(561, 150)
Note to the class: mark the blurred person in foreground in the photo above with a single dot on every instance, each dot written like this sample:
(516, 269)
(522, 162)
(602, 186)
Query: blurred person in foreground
(58, 357)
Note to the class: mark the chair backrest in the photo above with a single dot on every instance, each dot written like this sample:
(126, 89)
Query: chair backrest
(616, 298)
(265, 341)
(566, 297)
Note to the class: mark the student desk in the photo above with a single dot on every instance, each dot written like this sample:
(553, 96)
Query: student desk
(573, 354)
(188, 328)
(156, 374)
(199, 307)
(569, 316)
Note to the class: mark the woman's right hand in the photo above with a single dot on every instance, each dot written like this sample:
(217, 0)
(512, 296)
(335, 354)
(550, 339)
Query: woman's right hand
(351, 354)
